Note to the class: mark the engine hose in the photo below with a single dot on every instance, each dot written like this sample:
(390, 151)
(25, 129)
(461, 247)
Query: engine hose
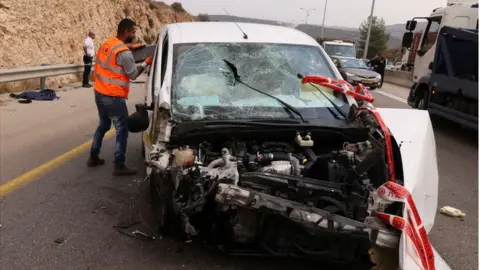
(267, 157)
(311, 158)
(201, 199)
(310, 155)
(368, 162)
(311, 252)
(341, 207)
(295, 165)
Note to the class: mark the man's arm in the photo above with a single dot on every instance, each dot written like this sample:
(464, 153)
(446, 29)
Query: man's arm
(126, 60)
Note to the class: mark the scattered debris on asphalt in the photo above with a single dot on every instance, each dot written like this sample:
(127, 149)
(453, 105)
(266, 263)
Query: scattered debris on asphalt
(139, 233)
(451, 211)
(59, 240)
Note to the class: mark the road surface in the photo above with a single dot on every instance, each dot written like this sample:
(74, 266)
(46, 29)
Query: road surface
(62, 218)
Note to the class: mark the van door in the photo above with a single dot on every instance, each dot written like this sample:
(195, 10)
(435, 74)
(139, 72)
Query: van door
(155, 81)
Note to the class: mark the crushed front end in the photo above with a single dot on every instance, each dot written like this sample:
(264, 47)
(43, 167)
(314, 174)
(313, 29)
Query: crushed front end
(293, 193)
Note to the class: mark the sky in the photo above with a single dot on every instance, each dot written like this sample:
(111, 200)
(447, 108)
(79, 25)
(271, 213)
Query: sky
(343, 13)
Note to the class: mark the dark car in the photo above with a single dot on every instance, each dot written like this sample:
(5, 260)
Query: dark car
(356, 71)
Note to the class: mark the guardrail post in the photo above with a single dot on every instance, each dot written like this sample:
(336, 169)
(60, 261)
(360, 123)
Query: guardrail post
(43, 80)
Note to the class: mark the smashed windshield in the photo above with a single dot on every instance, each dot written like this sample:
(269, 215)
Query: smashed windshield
(204, 86)
(353, 63)
(340, 50)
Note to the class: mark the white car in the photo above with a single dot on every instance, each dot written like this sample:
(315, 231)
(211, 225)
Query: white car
(246, 146)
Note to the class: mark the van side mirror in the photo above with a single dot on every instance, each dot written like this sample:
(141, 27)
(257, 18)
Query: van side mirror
(411, 25)
(139, 120)
(407, 39)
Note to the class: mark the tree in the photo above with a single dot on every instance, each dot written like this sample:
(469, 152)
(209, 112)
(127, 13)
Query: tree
(378, 36)
(203, 17)
(177, 7)
(392, 54)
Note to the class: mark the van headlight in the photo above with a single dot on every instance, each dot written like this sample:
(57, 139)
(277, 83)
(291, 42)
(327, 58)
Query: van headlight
(378, 77)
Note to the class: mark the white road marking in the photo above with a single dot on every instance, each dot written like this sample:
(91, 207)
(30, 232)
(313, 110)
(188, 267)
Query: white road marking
(383, 93)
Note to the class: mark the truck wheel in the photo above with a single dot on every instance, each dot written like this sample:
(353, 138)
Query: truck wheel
(421, 103)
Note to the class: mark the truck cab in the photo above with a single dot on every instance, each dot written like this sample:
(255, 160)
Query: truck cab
(438, 85)
(339, 48)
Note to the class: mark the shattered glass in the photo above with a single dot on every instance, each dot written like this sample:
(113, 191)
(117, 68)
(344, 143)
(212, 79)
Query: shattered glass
(204, 86)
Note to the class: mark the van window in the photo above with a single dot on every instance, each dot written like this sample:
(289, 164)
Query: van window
(164, 59)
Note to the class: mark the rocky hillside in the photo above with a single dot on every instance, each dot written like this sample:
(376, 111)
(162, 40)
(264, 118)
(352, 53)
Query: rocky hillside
(52, 31)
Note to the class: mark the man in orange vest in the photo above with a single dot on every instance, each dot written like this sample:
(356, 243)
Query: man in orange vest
(114, 68)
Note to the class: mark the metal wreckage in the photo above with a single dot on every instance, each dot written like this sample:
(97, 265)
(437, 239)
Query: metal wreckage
(302, 192)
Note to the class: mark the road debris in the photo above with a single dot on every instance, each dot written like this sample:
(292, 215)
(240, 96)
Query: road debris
(137, 232)
(451, 211)
(59, 240)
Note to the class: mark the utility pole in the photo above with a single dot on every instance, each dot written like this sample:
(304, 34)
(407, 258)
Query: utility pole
(367, 40)
(307, 13)
(324, 14)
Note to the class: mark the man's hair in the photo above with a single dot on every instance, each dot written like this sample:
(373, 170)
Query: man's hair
(125, 24)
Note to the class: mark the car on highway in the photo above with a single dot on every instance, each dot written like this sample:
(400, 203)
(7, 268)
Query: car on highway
(389, 66)
(255, 144)
(355, 71)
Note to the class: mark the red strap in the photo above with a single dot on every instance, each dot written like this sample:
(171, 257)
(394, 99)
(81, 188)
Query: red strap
(414, 229)
(336, 85)
(388, 142)
(390, 191)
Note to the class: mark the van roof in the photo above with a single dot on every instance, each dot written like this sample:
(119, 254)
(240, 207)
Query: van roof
(229, 32)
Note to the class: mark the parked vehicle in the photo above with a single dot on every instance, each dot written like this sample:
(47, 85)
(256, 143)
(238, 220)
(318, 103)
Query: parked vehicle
(355, 71)
(338, 47)
(446, 65)
(248, 153)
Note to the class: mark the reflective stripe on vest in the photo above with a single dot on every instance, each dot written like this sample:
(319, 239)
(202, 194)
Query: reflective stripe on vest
(110, 78)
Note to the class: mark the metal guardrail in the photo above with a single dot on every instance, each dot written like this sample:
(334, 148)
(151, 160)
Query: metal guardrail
(41, 72)
(20, 74)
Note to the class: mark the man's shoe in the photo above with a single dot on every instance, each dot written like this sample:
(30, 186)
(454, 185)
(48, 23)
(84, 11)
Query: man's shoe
(94, 162)
(87, 86)
(123, 171)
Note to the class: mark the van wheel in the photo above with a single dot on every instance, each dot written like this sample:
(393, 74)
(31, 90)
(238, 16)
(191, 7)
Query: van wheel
(161, 192)
(143, 147)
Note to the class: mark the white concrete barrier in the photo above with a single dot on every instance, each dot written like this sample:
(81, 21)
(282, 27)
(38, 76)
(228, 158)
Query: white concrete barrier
(397, 77)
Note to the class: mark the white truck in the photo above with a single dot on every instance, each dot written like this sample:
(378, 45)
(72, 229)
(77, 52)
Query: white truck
(339, 48)
(444, 84)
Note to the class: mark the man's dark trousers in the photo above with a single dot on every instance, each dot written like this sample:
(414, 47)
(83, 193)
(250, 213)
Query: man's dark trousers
(111, 109)
(87, 60)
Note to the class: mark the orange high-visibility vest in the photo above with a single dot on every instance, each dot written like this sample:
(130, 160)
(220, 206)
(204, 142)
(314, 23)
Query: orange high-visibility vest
(109, 78)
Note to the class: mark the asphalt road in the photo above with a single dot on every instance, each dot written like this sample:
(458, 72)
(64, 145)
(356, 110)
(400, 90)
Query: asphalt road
(77, 206)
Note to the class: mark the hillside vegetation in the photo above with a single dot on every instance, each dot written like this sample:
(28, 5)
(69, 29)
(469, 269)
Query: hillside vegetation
(52, 31)
(396, 30)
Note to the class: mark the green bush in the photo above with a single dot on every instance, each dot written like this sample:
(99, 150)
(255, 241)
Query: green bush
(152, 5)
(178, 7)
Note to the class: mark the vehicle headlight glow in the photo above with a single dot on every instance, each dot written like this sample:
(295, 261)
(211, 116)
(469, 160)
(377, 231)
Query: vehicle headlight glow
(349, 74)
(378, 77)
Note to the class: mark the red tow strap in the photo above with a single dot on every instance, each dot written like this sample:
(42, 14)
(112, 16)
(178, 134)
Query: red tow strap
(389, 191)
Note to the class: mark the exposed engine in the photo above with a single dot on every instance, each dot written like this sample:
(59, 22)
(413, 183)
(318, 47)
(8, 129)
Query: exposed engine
(287, 198)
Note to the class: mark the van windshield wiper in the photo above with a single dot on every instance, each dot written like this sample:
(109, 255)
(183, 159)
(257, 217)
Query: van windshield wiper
(300, 76)
(233, 68)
